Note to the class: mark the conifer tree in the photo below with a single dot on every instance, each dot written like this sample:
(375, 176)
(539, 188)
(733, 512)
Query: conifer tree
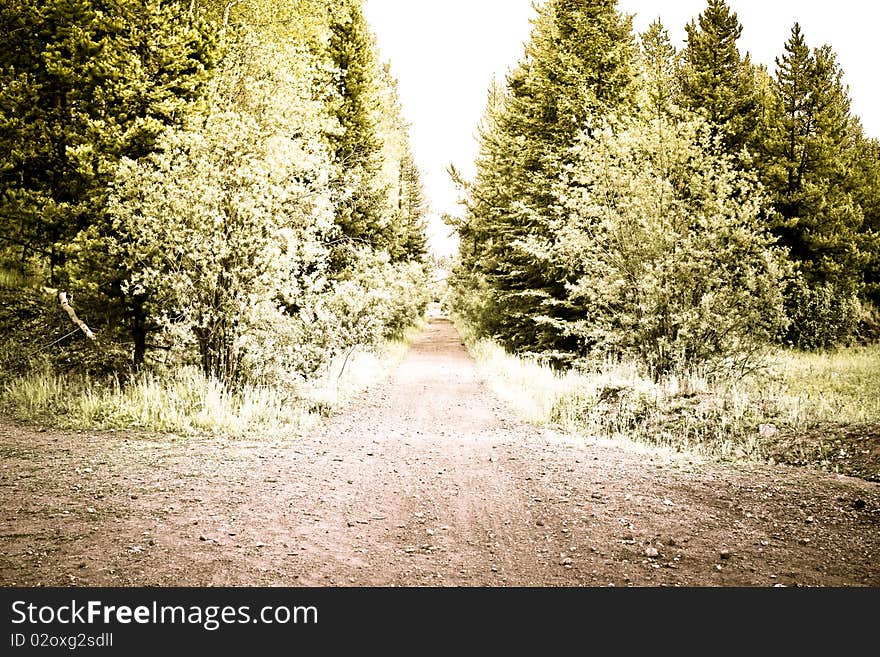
(85, 83)
(405, 206)
(410, 241)
(576, 71)
(808, 170)
(864, 179)
(717, 82)
(358, 144)
(659, 61)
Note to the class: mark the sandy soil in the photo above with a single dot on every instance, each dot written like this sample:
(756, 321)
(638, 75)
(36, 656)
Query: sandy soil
(425, 481)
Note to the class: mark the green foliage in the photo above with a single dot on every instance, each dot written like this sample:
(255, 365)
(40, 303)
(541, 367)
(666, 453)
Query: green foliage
(358, 145)
(659, 63)
(405, 205)
(664, 254)
(85, 82)
(809, 168)
(650, 241)
(864, 181)
(717, 83)
(218, 236)
(822, 315)
(378, 300)
(229, 185)
(576, 70)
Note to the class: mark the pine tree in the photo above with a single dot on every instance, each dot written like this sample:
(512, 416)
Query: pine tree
(163, 59)
(659, 61)
(864, 180)
(808, 170)
(577, 71)
(410, 241)
(717, 82)
(55, 64)
(358, 145)
(89, 81)
(406, 205)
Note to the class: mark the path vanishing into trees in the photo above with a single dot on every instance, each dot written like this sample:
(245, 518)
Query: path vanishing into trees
(426, 480)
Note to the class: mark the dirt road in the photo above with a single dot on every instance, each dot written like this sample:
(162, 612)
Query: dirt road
(425, 481)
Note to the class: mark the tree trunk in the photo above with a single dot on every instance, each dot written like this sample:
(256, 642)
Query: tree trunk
(139, 336)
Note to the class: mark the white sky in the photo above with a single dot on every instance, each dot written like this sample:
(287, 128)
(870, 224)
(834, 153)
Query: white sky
(445, 52)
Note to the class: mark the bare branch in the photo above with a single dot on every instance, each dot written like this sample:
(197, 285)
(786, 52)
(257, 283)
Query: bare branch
(226, 10)
(65, 303)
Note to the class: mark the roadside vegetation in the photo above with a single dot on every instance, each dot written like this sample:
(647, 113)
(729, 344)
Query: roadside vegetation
(185, 401)
(239, 247)
(52, 376)
(682, 251)
(809, 409)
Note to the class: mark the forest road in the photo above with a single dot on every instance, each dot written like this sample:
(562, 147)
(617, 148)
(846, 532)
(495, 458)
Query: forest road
(426, 480)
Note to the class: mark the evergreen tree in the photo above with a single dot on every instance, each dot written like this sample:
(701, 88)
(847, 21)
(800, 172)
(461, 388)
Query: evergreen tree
(864, 179)
(358, 145)
(576, 71)
(85, 83)
(407, 206)
(659, 61)
(717, 82)
(411, 240)
(808, 170)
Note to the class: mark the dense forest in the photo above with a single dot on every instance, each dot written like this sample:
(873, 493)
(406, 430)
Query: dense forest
(680, 208)
(222, 185)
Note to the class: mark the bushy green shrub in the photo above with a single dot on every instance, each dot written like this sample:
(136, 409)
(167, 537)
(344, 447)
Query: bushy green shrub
(378, 300)
(822, 316)
(664, 254)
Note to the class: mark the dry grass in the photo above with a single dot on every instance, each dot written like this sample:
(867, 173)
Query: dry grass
(186, 402)
(821, 410)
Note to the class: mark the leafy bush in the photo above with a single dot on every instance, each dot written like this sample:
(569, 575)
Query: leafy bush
(664, 254)
(377, 301)
(822, 316)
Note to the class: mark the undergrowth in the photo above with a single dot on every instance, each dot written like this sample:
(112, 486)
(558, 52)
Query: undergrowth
(184, 401)
(814, 409)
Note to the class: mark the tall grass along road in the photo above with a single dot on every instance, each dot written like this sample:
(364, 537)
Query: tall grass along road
(427, 479)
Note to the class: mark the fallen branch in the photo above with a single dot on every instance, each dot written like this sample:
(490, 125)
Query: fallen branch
(65, 303)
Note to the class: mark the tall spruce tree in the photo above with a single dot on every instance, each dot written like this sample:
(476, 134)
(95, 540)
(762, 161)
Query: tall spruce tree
(86, 82)
(659, 61)
(577, 70)
(407, 206)
(717, 82)
(808, 171)
(358, 145)
(166, 54)
(865, 189)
